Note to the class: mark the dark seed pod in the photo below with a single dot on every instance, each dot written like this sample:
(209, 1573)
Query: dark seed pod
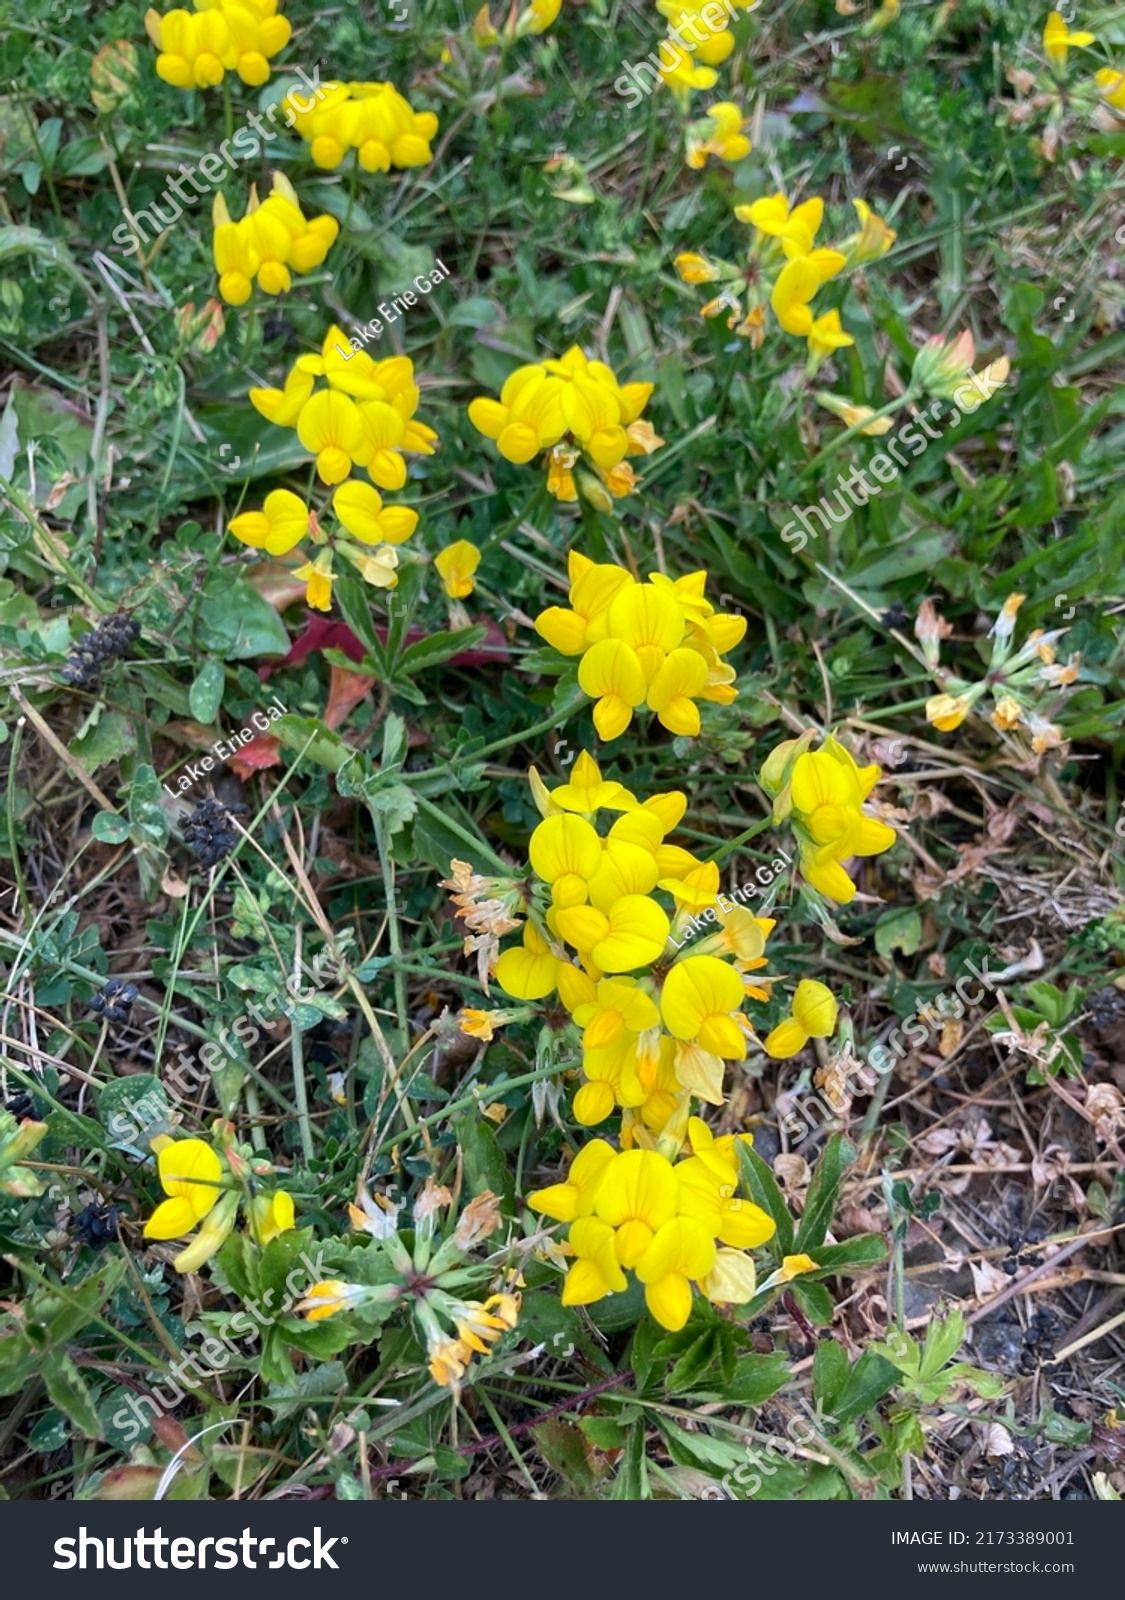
(99, 648)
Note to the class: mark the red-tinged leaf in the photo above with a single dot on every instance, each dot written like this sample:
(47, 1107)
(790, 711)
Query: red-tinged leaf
(128, 1483)
(322, 633)
(260, 753)
(275, 582)
(345, 691)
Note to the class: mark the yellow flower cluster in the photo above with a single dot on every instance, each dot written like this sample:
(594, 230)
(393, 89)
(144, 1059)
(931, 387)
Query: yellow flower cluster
(698, 40)
(659, 1012)
(822, 792)
(676, 1225)
(285, 520)
(655, 644)
(572, 407)
(1018, 683)
(364, 416)
(785, 268)
(204, 1187)
(372, 119)
(198, 48)
(271, 238)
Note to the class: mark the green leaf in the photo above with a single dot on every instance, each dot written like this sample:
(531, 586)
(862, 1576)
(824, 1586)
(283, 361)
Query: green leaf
(830, 1372)
(899, 930)
(943, 1340)
(108, 738)
(71, 1128)
(437, 648)
(868, 1381)
(74, 1308)
(756, 1378)
(824, 1188)
(814, 1300)
(207, 692)
(134, 1108)
(762, 1187)
(863, 1251)
(631, 1482)
(603, 1432)
(236, 623)
(693, 1363)
(70, 1392)
(109, 828)
(485, 1166)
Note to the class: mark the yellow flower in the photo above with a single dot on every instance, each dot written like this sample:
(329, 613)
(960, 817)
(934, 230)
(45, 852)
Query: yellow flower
(477, 1024)
(873, 240)
(637, 1195)
(271, 237)
(796, 229)
(362, 512)
(814, 1017)
(191, 1174)
(826, 336)
(698, 1002)
(679, 73)
(318, 577)
(1057, 40)
(1008, 714)
(681, 1251)
(271, 1215)
(448, 1361)
(481, 1325)
(456, 565)
(632, 935)
(596, 1271)
(825, 793)
(721, 137)
(331, 427)
(566, 851)
(326, 1298)
(191, 47)
(694, 268)
(541, 14)
(707, 1194)
(1112, 85)
(527, 418)
(575, 1196)
(853, 415)
(528, 971)
(280, 525)
(790, 1268)
(948, 711)
(611, 674)
(587, 792)
(797, 282)
(732, 1280)
(371, 118)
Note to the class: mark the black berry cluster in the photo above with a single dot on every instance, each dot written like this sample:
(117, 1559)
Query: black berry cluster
(1019, 1244)
(99, 648)
(96, 1225)
(1021, 1473)
(208, 832)
(1040, 1340)
(114, 1000)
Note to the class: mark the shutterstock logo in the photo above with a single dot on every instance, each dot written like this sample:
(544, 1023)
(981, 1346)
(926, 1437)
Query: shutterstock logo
(191, 1555)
